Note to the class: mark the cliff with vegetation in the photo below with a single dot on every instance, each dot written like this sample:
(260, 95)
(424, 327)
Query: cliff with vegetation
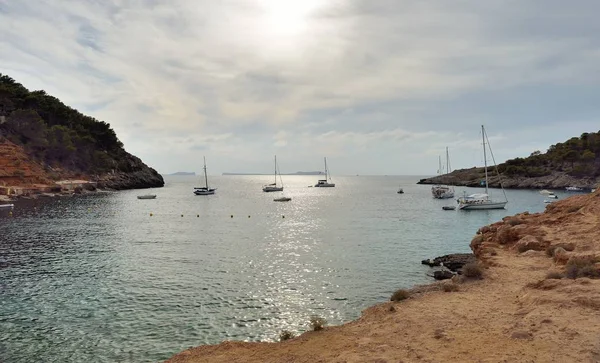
(575, 162)
(533, 296)
(43, 141)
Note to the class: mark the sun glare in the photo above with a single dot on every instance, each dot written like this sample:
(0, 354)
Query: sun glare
(289, 17)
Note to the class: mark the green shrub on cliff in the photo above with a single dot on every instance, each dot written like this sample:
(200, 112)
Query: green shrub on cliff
(57, 134)
(579, 156)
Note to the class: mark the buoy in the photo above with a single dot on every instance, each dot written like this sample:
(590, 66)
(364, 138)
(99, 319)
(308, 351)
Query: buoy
(282, 216)
(150, 214)
(197, 215)
(232, 216)
(182, 215)
(248, 216)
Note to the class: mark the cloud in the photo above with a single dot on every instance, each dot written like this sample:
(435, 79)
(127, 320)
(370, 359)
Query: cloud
(354, 79)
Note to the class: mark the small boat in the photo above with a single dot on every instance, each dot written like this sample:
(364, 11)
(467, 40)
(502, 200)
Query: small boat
(545, 192)
(147, 196)
(7, 206)
(205, 190)
(282, 199)
(574, 189)
(400, 191)
(274, 187)
(325, 183)
(448, 207)
(483, 201)
(551, 196)
(548, 201)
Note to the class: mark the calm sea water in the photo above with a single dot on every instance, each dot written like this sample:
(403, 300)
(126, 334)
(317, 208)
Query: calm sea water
(98, 279)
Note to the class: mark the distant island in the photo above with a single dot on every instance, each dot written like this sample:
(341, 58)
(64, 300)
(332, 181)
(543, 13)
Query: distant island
(575, 162)
(296, 173)
(180, 173)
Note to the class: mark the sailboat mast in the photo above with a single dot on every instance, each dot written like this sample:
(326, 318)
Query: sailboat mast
(484, 159)
(447, 161)
(205, 176)
(326, 172)
(275, 170)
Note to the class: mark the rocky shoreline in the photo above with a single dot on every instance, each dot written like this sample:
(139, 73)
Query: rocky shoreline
(531, 296)
(473, 177)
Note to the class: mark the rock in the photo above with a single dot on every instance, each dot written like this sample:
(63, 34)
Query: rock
(429, 262)
(442, 275)
(476, 241)
(453, 261)
(529, 243)
(137, 176)
(560, 256)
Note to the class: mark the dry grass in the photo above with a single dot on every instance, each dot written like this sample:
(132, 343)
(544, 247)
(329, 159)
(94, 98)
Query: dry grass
(450, 287)
(554, 275)
(317, 323)
(472, 270)
(286, 335)
(400, 295)
(514, 221)
(582, 266)
(506, 235)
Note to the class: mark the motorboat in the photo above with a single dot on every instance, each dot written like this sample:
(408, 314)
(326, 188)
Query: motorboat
(147, 196)
(7, 206)
(552, 196)
(483, 201)
(282, 199)
(574, 189)
(205, 190)
(325, 183)
(545, 192)
(448, 207)
(274, 187)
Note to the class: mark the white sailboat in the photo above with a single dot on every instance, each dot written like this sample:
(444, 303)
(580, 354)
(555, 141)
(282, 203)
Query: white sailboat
(205, 190)
(274, 187)
(443, 191)
(325, 183)
(482, 200)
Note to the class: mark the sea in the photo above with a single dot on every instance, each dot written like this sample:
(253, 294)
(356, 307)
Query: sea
(110, 278)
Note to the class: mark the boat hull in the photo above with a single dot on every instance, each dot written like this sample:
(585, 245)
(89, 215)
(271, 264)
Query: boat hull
(482, 206)
(326, 185)
(283, 199)
(146, 197)
(272, 189)
(204, 191)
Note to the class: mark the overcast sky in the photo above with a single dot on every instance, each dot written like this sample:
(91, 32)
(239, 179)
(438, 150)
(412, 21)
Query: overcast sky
(377, 86)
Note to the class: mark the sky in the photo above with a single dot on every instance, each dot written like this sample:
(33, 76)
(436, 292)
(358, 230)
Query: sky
(376, 86)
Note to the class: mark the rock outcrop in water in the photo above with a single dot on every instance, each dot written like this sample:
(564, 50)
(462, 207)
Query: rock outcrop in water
(531, 306)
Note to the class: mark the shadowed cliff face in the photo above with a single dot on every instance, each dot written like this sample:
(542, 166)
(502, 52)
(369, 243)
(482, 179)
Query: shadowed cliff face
(138, 176)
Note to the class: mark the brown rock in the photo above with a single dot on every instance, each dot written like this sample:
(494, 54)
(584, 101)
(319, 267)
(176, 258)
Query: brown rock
(561, 256)
(529, 243)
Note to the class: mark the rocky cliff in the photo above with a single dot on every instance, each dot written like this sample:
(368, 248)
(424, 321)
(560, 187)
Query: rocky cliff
(43, 141)
(474, 176)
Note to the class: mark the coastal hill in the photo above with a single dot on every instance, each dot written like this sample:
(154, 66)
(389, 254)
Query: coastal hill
(537, 300)
(43, 141)
(575, 162)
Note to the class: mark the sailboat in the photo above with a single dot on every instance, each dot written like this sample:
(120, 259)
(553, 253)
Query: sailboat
(273, 187)
(483, 201)
(205, 190)
(443, 191)
(325, 183)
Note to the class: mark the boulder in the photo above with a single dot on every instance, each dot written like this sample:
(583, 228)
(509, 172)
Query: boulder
(560, 256)
(453, 262)
(529, 243)
(442, 275)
